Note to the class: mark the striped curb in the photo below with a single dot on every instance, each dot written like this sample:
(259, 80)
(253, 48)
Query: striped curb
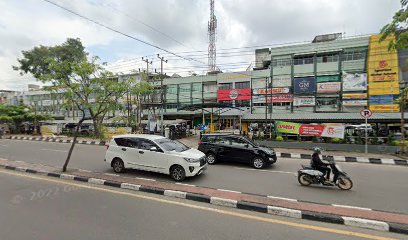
(244, 205)
(55, 140)
(387, 161)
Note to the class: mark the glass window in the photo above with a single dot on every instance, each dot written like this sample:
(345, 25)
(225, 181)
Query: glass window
(184, 87)
(242, 103)
(146, 144)
(225, 86)
(172, 145)
(241, 85)
(197, 87)
(172, 89)
(133, 142)
(238, 142)
(121, 142)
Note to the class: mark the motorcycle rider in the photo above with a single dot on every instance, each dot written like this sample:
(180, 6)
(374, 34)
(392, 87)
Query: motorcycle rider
(318, 164)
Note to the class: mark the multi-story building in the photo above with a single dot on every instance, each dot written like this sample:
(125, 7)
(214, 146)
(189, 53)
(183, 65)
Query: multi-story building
(330, 79)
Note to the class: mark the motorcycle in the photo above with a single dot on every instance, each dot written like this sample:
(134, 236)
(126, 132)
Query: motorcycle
(308, 175)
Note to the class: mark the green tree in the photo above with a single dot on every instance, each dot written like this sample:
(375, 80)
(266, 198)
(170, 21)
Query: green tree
(78, 78)
(139, 90)
(15, 115)
(398, 28)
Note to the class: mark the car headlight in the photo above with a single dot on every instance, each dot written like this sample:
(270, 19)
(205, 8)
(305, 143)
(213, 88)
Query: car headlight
(192, 160)
(269, 152)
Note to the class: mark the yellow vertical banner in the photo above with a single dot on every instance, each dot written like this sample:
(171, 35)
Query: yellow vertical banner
(383, 75)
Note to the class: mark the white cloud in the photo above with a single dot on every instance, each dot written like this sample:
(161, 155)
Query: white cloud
(25, 24)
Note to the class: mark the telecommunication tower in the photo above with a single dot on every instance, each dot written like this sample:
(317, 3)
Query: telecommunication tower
(212, 27)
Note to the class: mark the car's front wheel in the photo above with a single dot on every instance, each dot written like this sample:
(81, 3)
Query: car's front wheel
(211, 158)
(178, 173)
(118, 165)
(258, 163)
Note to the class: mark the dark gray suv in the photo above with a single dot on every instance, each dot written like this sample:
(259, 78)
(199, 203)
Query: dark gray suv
(221, 147)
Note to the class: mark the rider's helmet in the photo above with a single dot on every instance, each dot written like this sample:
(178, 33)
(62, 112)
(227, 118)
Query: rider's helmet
(317, 150)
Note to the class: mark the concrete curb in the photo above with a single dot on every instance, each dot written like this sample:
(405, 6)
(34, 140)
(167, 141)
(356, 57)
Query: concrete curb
(55, 140)
(387, 161)
(244, 205)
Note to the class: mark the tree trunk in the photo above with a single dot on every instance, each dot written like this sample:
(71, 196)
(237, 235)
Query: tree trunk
(71, 149)
(96, 127)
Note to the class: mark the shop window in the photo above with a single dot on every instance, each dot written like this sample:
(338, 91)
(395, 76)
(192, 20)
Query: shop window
(225, 86)
(242, 85)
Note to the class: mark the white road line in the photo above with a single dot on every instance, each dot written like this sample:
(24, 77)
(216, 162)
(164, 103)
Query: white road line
(345, 206)
(55, 150)
(83, 170)
(263, 170)
(185, 184)
(225, 190)
(148, 179)
(282, 198)
(112, 174)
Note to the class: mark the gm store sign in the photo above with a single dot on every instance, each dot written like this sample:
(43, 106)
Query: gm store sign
(304, 85)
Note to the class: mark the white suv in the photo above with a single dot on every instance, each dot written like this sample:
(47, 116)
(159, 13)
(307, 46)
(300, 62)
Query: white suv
(156, 154)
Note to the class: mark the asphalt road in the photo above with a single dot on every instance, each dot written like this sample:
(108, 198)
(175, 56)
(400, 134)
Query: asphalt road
(379, 187)
(38, 207)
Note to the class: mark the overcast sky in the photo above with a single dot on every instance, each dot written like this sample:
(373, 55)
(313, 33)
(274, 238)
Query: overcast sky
(177, 26)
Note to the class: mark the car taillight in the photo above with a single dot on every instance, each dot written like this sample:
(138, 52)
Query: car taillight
(199, 143)
(107, 146)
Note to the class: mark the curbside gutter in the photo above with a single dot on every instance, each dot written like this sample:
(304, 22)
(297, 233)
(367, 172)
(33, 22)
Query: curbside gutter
(385, 161)
(232, 199)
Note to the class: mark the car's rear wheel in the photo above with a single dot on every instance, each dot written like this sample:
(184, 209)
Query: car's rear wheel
(178, 173)
(211, 158)
(118, 165)
(258, 163)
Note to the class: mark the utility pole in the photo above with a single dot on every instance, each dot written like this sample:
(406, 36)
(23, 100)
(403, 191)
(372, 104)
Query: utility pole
(161, 93)
(148, 99)
(402, 144)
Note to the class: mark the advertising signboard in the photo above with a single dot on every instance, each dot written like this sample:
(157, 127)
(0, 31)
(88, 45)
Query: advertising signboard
(271, 90)
(283, 81)
(354, 103)
(234, 94)
(384, 107)
(383, 99)
(354, 82)
(333, 130)
(280, 98)
(354, 95)
(304, 85)
(304, 101)
(330, 78)
(328, 87)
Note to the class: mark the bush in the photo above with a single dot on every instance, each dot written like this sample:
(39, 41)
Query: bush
(335, 140)
(398, 143)
(279, 138)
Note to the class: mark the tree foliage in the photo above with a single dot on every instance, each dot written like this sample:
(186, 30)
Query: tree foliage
(80, 79)
(17, 114)
(398, 28)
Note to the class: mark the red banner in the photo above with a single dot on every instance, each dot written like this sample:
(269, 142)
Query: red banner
(234, 94)
(311, 130)
(280, 98)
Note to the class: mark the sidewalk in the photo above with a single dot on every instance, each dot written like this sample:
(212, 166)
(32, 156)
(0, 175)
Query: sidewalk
(346, 215)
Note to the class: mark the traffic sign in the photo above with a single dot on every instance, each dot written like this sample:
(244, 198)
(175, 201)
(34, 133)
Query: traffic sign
(365, 113)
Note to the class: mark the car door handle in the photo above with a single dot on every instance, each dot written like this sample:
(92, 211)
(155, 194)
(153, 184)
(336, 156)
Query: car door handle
(141, 152)
(123, 149)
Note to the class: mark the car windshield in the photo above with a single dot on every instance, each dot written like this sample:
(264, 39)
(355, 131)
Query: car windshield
(172, 145)
(251, 142)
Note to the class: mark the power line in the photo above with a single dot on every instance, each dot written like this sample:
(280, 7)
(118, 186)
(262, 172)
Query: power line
(119, 32)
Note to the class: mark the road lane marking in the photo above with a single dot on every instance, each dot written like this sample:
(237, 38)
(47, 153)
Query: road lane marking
(264, 170)
(112, 174)
(147, 179)
(346, 206)
(185, 184)
(226, 190)
(208, 209)
(55, 150)
(282, 198)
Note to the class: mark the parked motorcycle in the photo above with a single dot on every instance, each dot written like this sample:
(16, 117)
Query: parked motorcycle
(308, 175)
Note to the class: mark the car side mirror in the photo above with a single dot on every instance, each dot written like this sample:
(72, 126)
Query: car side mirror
(153, 149)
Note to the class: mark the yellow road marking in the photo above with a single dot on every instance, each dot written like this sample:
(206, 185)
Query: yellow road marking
(230, 213)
